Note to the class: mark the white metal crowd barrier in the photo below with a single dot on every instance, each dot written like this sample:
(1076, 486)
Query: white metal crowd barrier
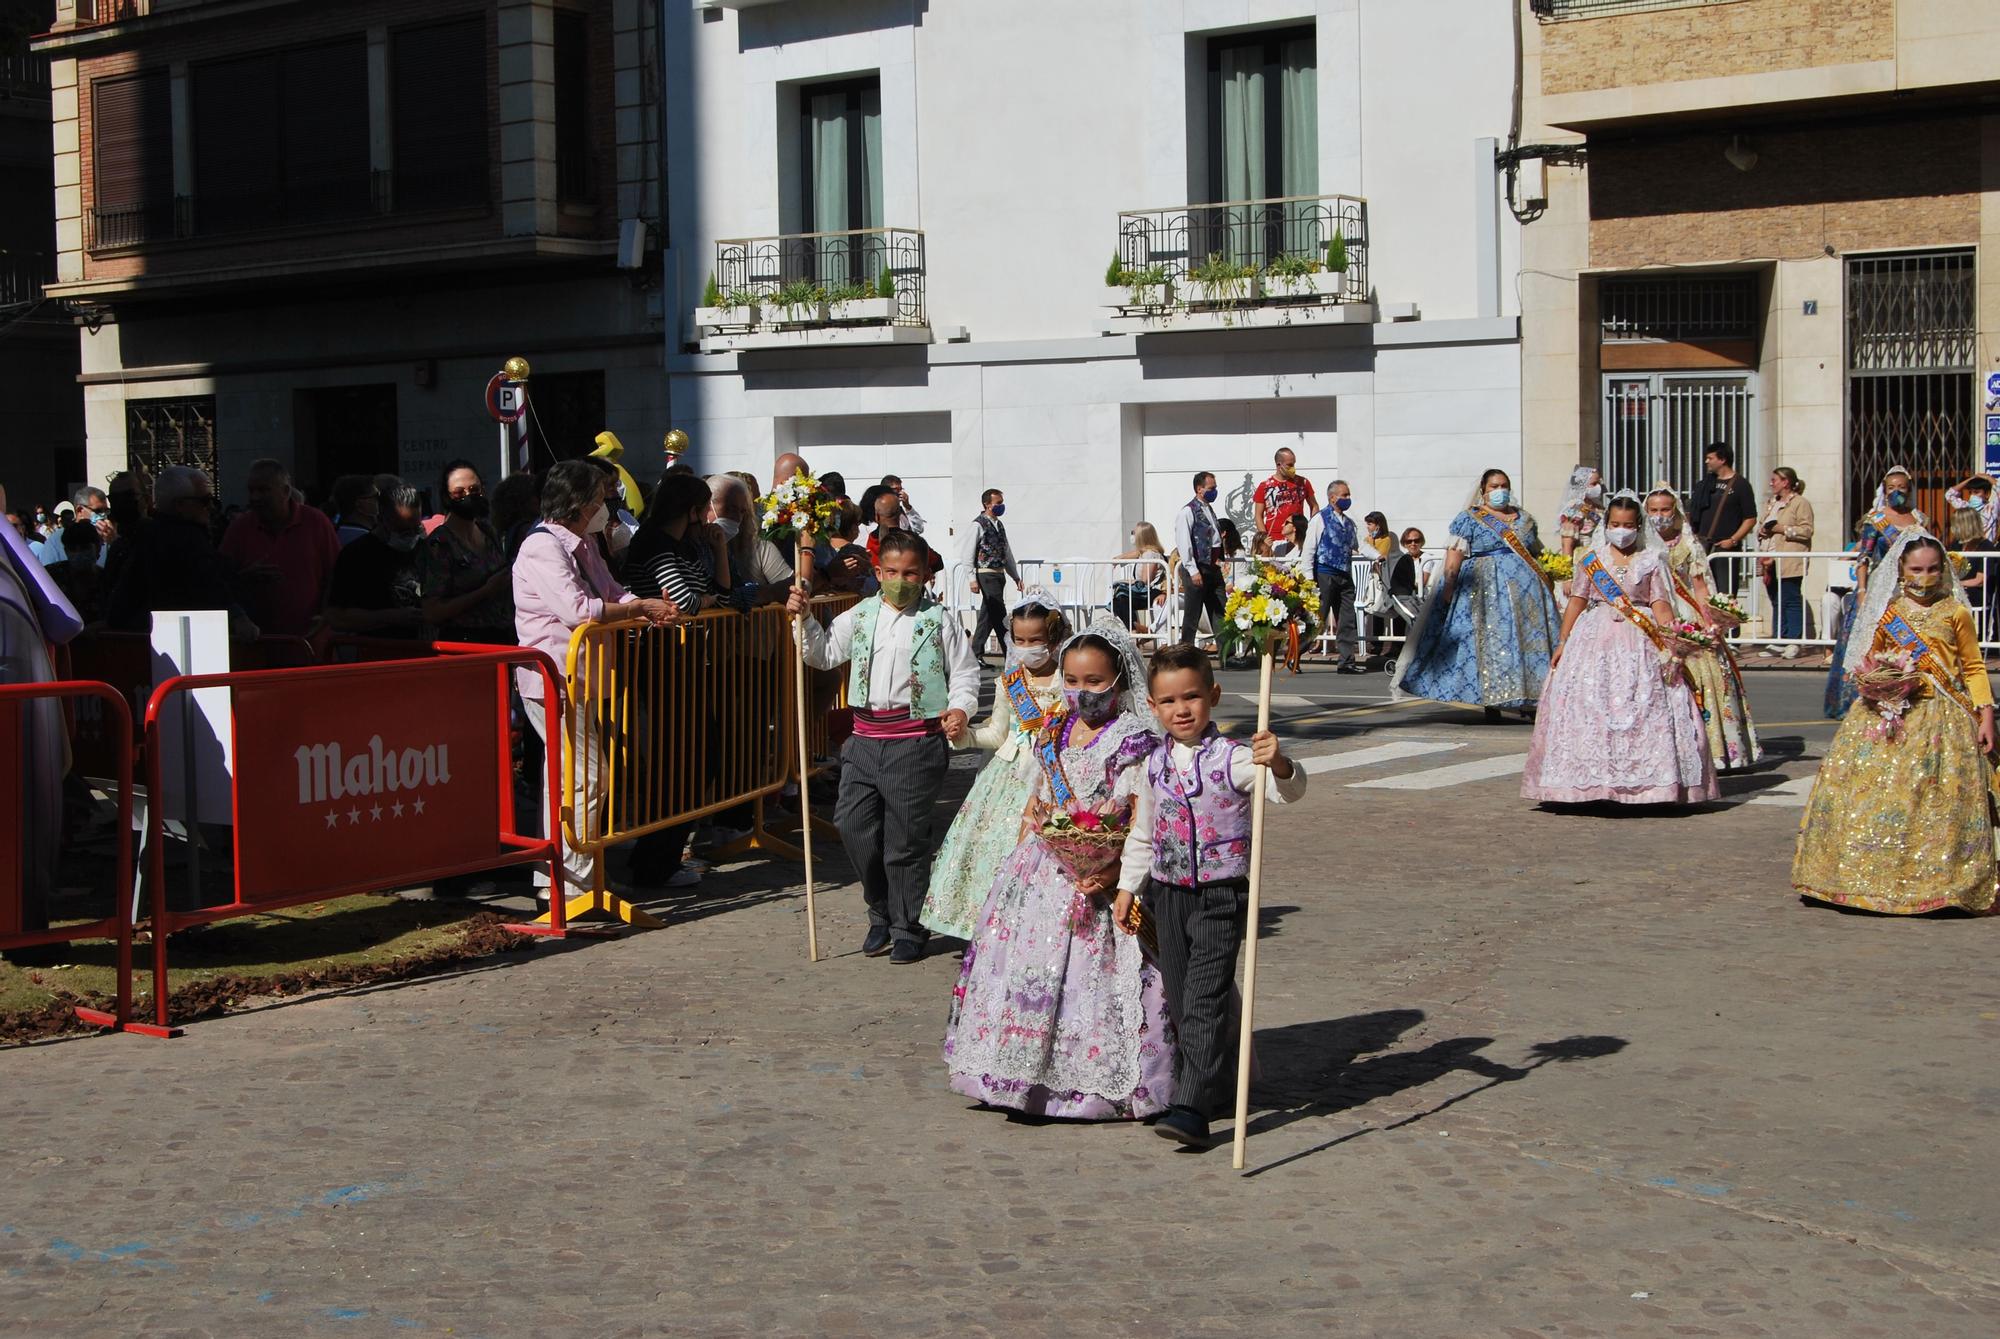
(1081, 588)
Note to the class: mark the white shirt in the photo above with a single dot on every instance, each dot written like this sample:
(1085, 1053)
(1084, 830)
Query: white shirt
(1136, 864)
(1184, 534)
(1989, 515)
(911, 520)
(889, 661)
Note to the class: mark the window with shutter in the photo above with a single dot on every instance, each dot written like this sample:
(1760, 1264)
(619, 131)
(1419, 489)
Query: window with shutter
(132, 160)
(437, 110)
(282, 138)
(572, 57)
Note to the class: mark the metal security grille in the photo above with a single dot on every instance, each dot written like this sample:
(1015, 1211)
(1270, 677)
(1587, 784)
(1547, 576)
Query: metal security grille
(1911, 326)
(1657, 426)
(159, 433)
(1712, 306)
(1554, 11)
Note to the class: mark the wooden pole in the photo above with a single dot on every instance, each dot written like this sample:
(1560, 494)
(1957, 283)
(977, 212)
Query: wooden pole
(1250, 931)
(805, 754)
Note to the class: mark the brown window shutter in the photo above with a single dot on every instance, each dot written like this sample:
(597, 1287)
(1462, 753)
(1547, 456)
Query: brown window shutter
(437, 111)
(132, 157)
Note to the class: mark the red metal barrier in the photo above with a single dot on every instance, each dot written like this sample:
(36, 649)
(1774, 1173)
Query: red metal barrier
(327, 757)
(116, 926)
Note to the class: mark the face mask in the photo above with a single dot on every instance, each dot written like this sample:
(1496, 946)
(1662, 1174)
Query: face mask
(1666, 525)
(1342, 504)
(1924, 587)
(472, 507)
(1287, 471)
(1499, 497)
(1094, 707)
(1594, 493)
(727, 526)
(1622, 536)
(900, 593)
(1208, 495)
(402, 542)
(1898, 499)
(598, 520)
(1027, 657)
(999, 510)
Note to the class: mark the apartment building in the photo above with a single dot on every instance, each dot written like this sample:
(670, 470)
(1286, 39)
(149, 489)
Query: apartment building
(1079, 251)
(38, 355)
(315, 231)
(1770, 222)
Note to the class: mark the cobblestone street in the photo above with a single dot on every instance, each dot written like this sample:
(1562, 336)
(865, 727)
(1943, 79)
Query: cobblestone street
(1524, 1073)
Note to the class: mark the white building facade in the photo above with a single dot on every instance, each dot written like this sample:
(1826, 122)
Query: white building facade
(984, 162)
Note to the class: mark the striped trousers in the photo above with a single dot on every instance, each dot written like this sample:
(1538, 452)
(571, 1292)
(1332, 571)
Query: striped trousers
(888, 802)
(1200, 930)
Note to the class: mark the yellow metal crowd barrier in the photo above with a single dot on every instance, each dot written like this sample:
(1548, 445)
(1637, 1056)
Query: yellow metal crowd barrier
(667, 726)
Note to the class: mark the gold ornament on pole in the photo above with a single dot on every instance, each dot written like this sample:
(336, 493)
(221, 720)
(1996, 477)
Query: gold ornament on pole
(676, 444)
(516, 368)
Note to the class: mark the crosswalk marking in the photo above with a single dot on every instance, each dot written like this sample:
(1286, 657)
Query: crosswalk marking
(1292, 700)
(1480, 770)
(1368, 757)
(1791, 795)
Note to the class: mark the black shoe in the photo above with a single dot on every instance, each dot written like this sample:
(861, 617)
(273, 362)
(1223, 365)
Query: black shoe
(877, 942)
(906, 952)
(1349, 667)
(1183, 1124)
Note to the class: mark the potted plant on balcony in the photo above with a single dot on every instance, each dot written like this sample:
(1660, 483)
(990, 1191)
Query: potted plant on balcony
(1217, 282)
(860, 302)
(1125, 287)
(720, 311)
(1301, 277)
(801, 302)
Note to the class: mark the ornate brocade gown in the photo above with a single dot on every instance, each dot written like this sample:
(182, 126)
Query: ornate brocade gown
(1725, 707)
(1611, 727)
(1056, 1012)
(1489, 645)
(1905, 824)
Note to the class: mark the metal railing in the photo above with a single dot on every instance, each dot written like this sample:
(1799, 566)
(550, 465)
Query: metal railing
(111, 11)
(24, 77)
(23, 274)
(360, 195)
(132, 225)
(1251, 235)
(1554, 11)
(801, 278)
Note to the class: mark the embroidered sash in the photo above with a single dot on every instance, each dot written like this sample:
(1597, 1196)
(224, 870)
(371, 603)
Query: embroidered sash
(1504, 532)
(1909, 639)
(1021, 697)
(1048, 752)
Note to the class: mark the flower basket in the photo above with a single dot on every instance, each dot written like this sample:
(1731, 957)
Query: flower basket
(797, 506)
(1685, 638)
(1084, 843)
(1726, 611)
(1886, 683)
(1272, 599)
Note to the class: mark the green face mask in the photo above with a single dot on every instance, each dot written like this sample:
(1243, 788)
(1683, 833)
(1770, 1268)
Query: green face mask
(899, 593)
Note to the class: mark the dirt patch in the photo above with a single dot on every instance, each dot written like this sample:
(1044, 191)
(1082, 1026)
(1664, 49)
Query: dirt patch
(330, 946)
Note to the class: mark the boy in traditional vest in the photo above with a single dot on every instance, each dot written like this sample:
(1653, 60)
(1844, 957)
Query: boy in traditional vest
(912, 684)
(1190, 848)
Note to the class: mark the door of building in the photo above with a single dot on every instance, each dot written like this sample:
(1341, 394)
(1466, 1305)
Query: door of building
(1657, 425)
(343, 430)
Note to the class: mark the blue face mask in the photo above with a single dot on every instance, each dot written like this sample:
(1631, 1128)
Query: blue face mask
(1208, 495)
(1342, 504)
(1898, 499)
(1499, 497)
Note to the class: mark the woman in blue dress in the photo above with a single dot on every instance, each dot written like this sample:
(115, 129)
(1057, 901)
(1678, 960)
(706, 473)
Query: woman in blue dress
(1486, 633)
(1875, 534)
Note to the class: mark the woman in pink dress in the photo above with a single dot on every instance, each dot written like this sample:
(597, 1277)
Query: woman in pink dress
(1618, 719)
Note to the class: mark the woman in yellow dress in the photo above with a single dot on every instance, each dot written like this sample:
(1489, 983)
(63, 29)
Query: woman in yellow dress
(1901, 815)
(1725, 708)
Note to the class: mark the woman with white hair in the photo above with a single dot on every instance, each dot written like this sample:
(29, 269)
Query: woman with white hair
(755, 563)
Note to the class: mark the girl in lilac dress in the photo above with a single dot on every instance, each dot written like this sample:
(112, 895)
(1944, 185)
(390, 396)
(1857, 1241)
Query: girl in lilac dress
(1056, 1013)
(1615, 723)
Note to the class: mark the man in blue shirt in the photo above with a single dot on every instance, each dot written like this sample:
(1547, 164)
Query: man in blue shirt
(1330, 539)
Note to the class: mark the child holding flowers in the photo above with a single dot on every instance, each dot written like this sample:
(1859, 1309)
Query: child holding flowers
(1056, 1014)
(1901, 819)
(1189, 848)
(1618, 719)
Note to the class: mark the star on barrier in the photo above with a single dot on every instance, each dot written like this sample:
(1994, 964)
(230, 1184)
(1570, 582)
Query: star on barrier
(396, 809)
(333, 819)
(353, 817)
(375, 814)
(417, 804)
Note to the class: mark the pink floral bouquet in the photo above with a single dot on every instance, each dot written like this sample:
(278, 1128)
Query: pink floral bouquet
(1886, 683)
(1085, 841)
(1685, 637)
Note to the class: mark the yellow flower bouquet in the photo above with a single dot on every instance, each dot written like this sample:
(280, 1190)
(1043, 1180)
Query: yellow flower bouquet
(1270, 600)
(1556, 566)
(797, 506)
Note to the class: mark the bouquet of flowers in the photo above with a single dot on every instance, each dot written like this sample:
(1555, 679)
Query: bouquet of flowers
(1886, 683)
(1686, 637)
(795, 507)
(1556, 566)
(1726, 610)
(1273, 598)
(1085, 841)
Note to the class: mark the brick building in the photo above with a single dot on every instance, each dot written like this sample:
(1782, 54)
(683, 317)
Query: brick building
(314, 231)
(1780, 233)
(38, 354)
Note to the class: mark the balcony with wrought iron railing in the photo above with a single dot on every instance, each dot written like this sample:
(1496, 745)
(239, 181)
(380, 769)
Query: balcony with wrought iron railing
(1283, 261)
(25, 78)
(23, 275)
(89, 12)
(860, 286)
